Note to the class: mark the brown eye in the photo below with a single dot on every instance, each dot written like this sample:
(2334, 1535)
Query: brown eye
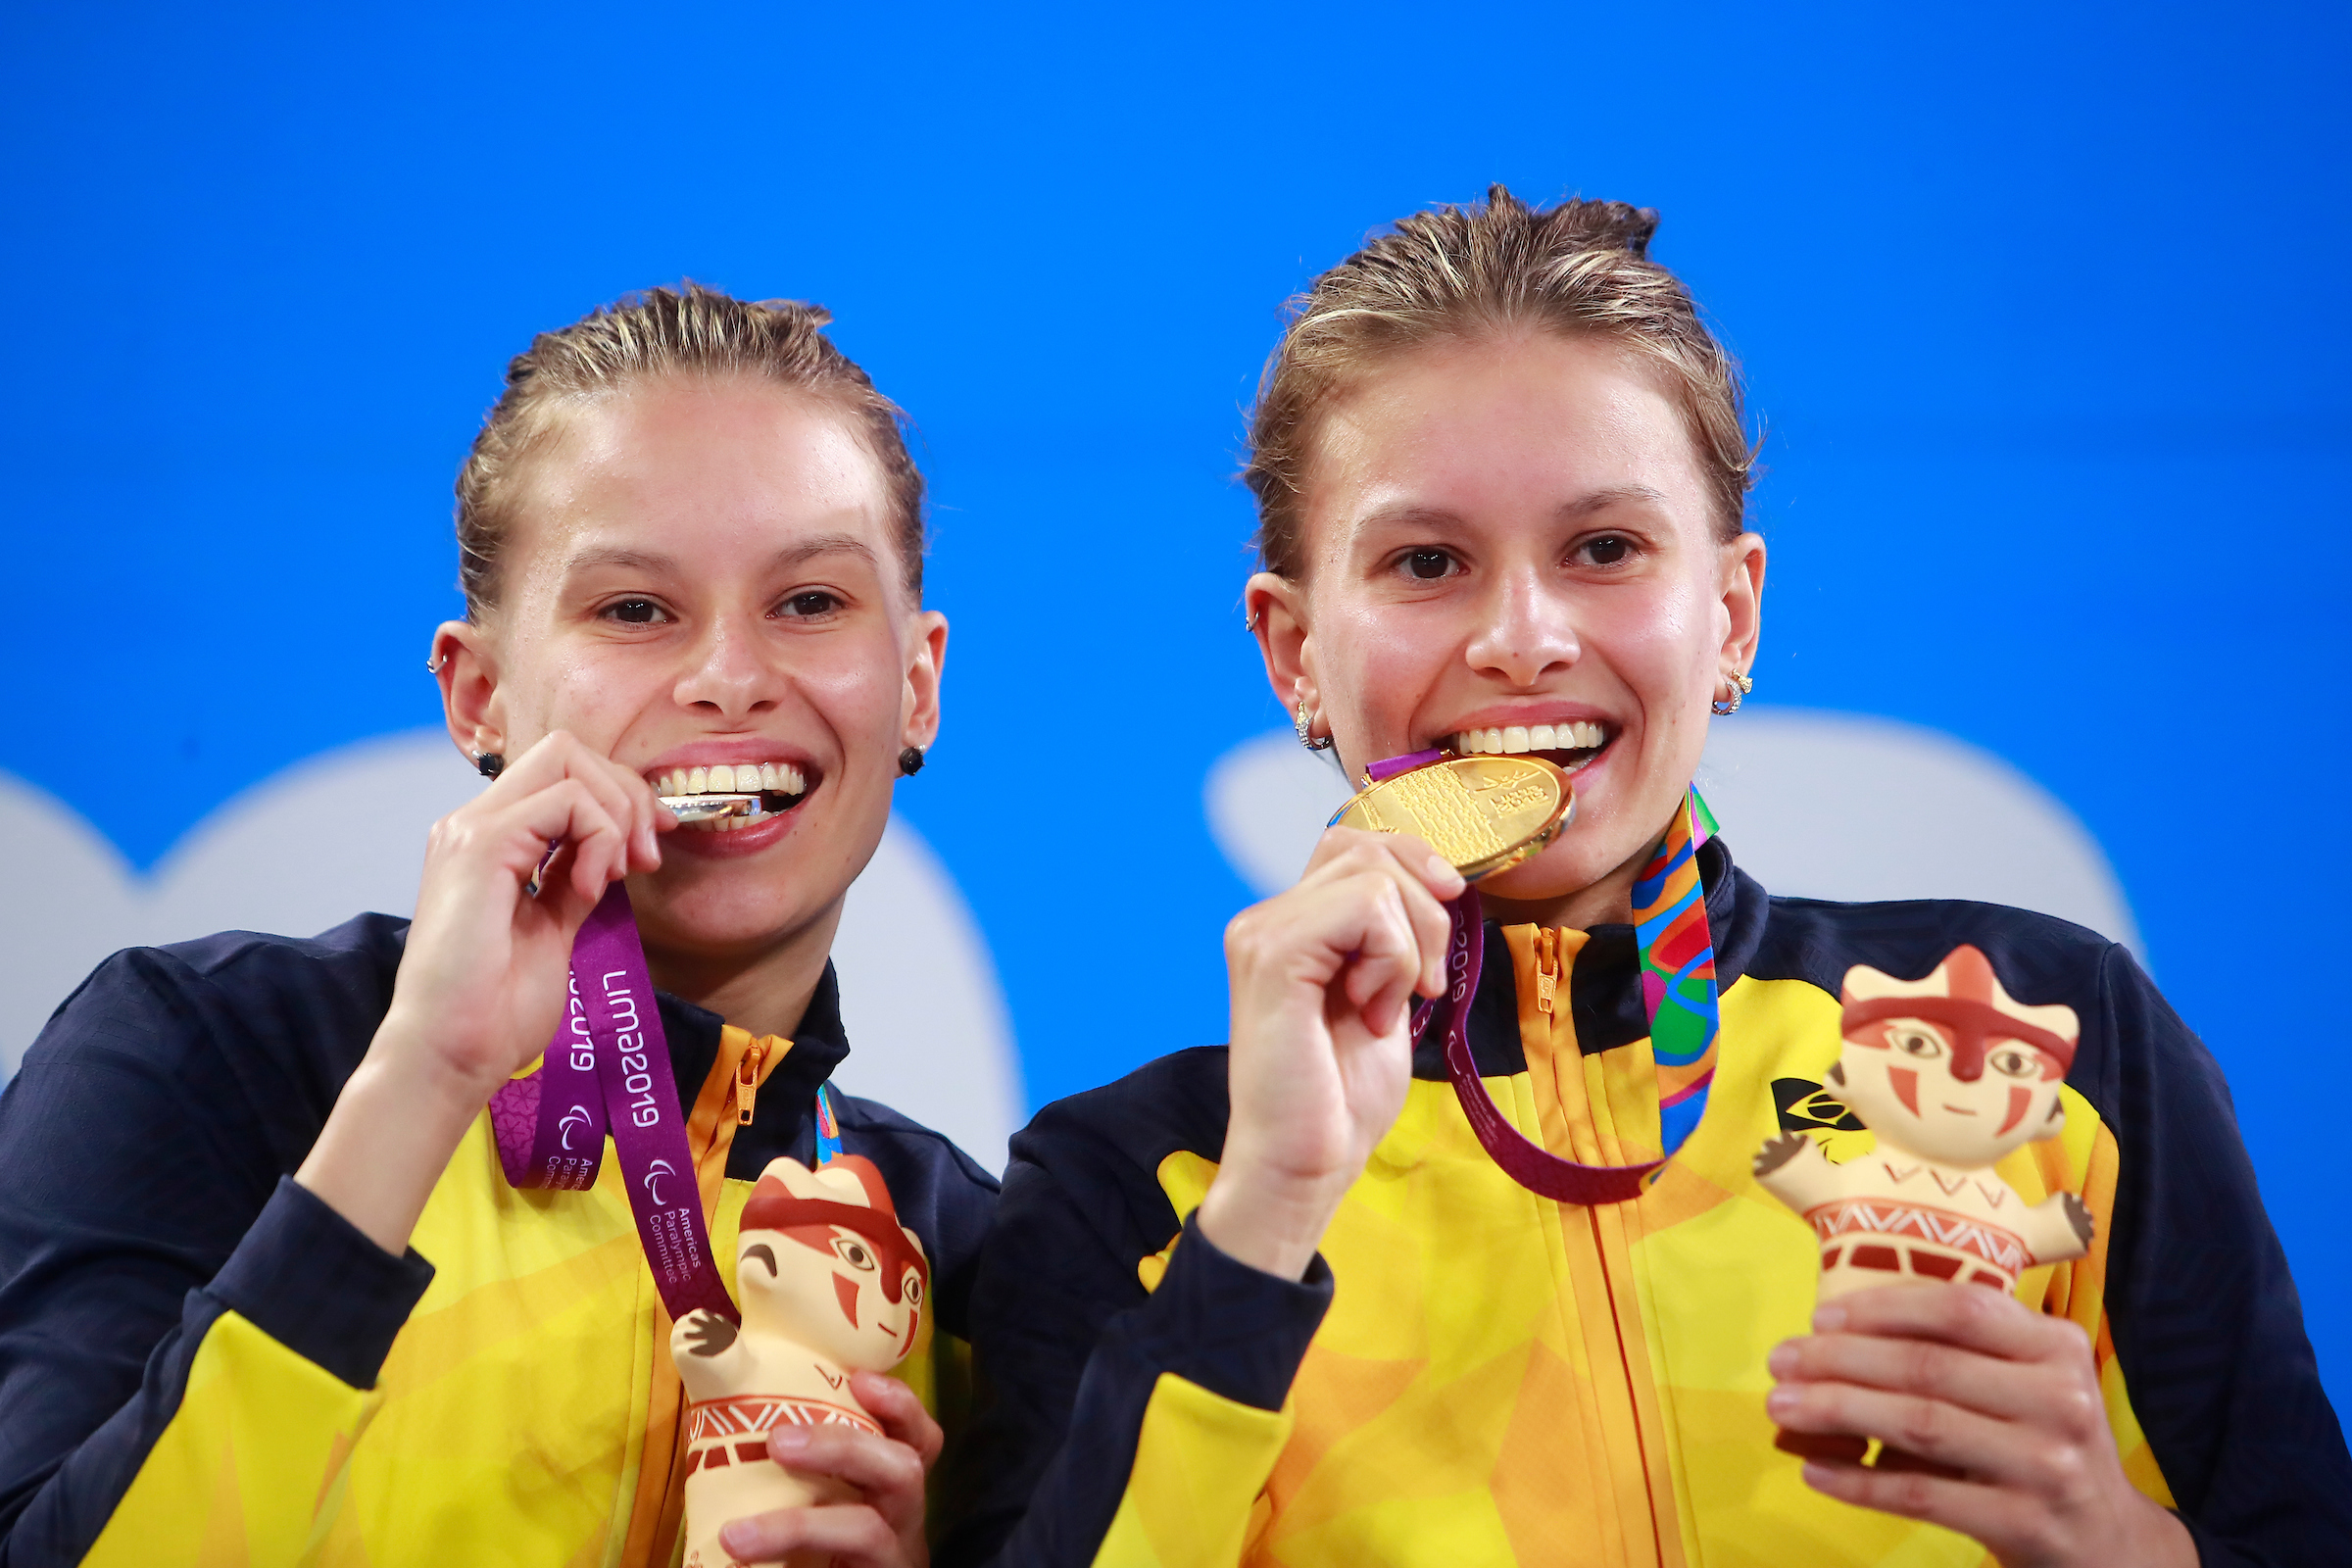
(1428, 565)
(632, 612)
(1917, 1043)
(810, 603)
(2016, 1063)
(914, 1290)
(854, 1253)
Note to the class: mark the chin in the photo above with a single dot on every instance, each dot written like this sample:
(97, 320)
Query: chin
(1574, 862)
(740, 904)
(716, 916)
(1556, 874)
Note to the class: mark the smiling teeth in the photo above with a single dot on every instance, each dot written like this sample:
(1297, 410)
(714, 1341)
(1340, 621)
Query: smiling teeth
(737, 778)
(742, 778)
(1515, 738)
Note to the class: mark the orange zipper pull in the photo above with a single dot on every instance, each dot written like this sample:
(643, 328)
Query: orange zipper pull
(1547, 970)
(746, 1083)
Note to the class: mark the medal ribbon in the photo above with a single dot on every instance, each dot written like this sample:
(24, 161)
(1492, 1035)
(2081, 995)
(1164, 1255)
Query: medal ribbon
(607, 1069)
(1677, 962)
(828, 1128)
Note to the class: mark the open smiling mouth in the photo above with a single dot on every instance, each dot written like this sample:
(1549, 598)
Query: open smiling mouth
(726, 799)
(1569, 746)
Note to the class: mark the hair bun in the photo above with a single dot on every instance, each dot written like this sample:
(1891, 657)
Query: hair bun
(817, 315)
(1596, 226)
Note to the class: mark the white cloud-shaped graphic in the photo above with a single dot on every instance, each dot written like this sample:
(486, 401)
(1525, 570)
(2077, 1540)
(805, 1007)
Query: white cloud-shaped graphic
(344, 832)
(1831, 806)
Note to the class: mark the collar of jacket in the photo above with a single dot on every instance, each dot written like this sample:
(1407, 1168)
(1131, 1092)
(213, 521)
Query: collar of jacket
(788, 1097)
(1604, 984)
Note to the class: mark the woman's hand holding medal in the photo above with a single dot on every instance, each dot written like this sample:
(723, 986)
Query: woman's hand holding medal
(483, 982)
(1323, 977)
(486, 970)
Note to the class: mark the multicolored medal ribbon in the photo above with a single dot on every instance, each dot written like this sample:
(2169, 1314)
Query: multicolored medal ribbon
(1677, 971)
(1677, 960)
(828, 1127)
(607, 1068)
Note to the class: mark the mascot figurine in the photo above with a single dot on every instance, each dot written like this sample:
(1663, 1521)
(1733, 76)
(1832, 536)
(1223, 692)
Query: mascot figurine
(830, 1284)
(1950, 1073)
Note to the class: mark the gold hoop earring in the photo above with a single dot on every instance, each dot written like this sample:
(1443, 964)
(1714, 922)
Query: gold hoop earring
(1305, 723)
(1740, 686)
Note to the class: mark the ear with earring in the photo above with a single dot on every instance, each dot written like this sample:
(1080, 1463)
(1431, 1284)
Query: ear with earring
(487, 764)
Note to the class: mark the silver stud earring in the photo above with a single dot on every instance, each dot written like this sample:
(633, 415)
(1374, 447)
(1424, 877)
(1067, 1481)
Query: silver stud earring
(1305, 723)
(1740, 686)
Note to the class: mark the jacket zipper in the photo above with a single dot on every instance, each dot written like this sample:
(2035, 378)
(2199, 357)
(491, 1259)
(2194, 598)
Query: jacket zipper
(1547, 970)
(746, 1083)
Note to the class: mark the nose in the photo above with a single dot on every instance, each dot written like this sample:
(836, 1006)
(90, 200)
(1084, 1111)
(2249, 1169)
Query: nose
(727, 672)
(1526, 631)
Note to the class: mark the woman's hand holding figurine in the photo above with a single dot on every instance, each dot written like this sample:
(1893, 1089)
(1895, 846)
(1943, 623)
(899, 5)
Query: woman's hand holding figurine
(2001, 1402)
(1323, 978)
(483, 981)
(885, 1530)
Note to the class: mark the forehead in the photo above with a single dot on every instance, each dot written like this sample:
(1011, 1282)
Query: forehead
(1503, 430)
(710, 469)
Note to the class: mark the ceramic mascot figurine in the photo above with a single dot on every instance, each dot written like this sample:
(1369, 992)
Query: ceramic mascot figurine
(830, 1283)
(1950, 1073)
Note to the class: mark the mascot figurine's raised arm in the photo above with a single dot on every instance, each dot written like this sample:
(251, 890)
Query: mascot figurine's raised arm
(830, 1283)
(1950, 1073)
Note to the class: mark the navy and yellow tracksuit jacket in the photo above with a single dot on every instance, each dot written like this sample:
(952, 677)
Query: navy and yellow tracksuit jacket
(1472, 1374)
(200, 1362)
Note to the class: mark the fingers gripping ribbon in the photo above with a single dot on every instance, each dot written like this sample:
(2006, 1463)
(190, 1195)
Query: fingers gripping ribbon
(607, 1070)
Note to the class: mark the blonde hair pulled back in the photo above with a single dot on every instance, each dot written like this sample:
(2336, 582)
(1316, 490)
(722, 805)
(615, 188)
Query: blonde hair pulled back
(1580, 269)
(688, 331)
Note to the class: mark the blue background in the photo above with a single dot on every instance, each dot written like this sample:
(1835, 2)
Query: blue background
(2043, 312)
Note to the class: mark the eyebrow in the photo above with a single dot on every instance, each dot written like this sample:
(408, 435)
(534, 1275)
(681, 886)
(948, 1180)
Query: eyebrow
(1613, 495)
(1583, 506)
(638, 560)
(826, 544)
(823, 544)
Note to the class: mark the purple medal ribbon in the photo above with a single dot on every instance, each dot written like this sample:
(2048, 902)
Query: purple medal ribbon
(1684, 1025)
(1524, 1160)
(607, 1069)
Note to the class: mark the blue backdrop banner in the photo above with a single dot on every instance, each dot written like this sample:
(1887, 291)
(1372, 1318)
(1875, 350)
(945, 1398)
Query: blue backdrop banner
(2042, 311)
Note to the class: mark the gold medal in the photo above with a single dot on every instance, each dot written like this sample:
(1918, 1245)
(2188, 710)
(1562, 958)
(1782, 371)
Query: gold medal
(1484, 813)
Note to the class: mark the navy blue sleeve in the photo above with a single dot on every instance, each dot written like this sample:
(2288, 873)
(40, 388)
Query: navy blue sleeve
(1068, 1345)
(2208, 1326)
(144, 1147)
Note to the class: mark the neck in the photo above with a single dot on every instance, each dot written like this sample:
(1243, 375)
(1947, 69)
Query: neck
(765, 990)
